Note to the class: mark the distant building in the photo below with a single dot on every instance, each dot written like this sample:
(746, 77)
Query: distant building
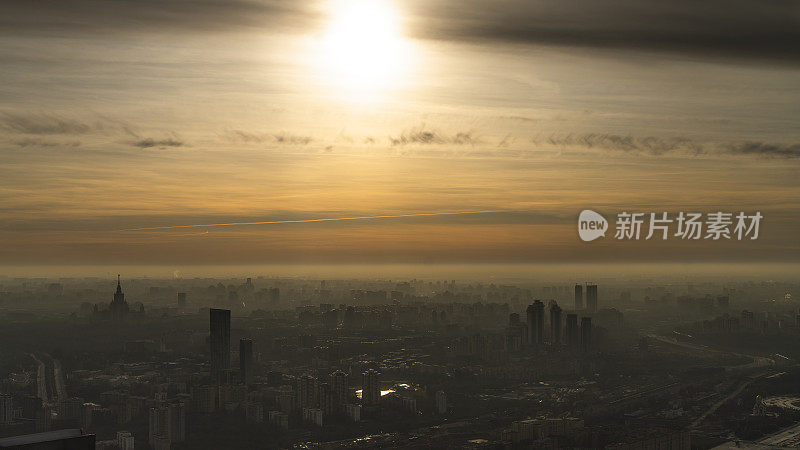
(158, 424)
(6, 409)
(167, 422)
(591, 297)
(31, 405)
(70, 409)
(313, 415)
(181, 300)
(353, 412)
(341, 388)
(748, 319)
(325, 400)
(246, 366)
(535, 321)
(586, 333)
(441, 402)
(119, 307)
(254, 412)
(205, 398)
(370, 388)
(655, 438)
(279, 419)
(555, 323)
(578, 297)
(536, 429)
(308, 391)
(125, 440)
(161, 443)
(220, 340)
(572, 332)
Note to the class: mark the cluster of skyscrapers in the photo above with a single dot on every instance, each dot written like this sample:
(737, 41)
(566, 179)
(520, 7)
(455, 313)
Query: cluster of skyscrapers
(575, 331)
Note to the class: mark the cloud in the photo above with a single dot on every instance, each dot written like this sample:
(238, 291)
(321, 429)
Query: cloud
(748, 29)
(764, 149)
(670, 145)
(36, 142)
(42, 124)
(424, 136)
(292, 139)
(150, 142)
(83, 17)
(248, 137)
(626, 143)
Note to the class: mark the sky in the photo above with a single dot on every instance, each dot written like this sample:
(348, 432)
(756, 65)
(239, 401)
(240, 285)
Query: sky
(414, 132)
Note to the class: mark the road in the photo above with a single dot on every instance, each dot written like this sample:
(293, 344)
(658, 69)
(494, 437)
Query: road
(41, 379)
(758, 361)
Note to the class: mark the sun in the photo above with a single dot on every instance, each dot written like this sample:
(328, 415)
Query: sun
(363, 49)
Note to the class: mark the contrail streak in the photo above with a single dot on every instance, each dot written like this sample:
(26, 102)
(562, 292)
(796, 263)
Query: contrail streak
(330, 219)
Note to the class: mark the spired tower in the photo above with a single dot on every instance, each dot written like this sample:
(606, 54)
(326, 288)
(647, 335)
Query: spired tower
(119, 307)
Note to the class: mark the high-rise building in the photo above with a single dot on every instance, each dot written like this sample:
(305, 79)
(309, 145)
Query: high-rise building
(535, 320)
(204, 398)
(441, 402)
(572, 332)
(181, 300)
(370, 388)
(340, 384)
(555, 323)
(167, 422)
(70, 409)
(586, 333)
(308, 391)
(254, 412)
(158, 420)
(220, 343)
(177, 422)
(6, 409)
(44, 419)
(591, 297)
(246, 360)
(353, 412)
(31, 405)
(578, 297)
(119, 307)
(325, 398)
(125, 440)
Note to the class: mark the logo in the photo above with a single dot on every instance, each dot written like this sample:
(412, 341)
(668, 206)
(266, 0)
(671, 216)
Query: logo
(715, 226)
(591, 225)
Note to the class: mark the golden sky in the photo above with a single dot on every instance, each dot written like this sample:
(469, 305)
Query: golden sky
(118, 115)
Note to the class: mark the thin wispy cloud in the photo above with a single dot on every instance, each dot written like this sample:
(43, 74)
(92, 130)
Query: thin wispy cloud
(325, 219)
(150, 142)
(42, 124)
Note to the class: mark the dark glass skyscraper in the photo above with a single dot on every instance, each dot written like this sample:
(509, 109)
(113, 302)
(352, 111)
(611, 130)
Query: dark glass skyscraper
(572, 332)
(535, 320)
(555, 323)
(246, 360)
(586, 333)
(591, 297)
(220, 342)
(370, 389)
(578, 297)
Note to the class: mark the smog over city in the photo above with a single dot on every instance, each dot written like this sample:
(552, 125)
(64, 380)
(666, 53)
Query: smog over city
(333, 224)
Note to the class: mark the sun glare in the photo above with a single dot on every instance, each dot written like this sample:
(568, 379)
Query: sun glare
(363, 48)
